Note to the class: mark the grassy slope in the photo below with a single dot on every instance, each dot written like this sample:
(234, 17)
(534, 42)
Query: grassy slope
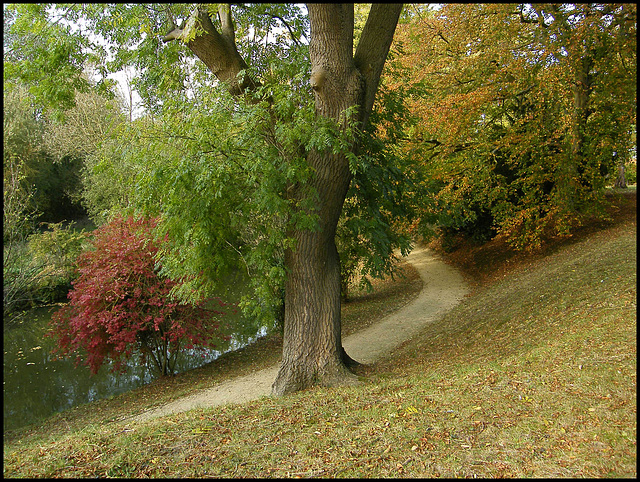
(533, 375)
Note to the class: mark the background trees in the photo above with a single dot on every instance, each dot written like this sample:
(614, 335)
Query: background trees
(515, 121)
(36, 191)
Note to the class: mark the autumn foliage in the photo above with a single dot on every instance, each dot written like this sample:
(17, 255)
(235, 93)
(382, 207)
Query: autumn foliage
(522, 114)
(120, 306)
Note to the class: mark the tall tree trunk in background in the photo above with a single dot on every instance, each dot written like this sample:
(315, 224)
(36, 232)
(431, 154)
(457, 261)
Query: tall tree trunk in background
(577, 50)
(581, 91)
(621, 178)
(312, 346)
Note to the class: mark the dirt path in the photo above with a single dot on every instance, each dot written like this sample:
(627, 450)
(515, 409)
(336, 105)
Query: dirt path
(443, 288)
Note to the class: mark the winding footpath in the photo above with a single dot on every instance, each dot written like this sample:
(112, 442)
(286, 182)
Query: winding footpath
(443, 288)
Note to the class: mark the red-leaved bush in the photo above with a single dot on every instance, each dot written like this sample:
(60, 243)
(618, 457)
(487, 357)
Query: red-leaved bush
(119, 304)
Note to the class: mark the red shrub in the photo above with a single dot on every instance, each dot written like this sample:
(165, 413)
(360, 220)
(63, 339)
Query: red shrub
(120, 304)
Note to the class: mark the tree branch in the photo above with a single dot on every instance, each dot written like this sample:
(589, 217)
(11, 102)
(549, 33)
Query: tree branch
(226, 21)
(293, 37)
(373, 48)
(216, 50)
(173, 34)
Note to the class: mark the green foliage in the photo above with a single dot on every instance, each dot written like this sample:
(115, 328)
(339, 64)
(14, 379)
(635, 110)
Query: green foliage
(18, 213)
(219, 172)
(48, 57)
(376, 222)
(34, 186)
(234, 167)
(56, 250)
(40, 269)
(85, 127)
(237, 163)
(267, 32)
(54, 186)
(109, 173)
(22, 127)
(19, 273)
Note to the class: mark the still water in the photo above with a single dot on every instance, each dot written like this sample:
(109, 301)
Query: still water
(36, 384)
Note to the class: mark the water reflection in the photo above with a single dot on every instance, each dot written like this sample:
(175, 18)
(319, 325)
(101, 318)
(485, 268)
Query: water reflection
(36, 385)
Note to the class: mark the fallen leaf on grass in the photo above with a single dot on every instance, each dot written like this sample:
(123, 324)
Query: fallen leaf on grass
(410, 409)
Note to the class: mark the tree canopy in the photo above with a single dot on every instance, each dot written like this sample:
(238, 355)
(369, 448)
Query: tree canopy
(522, 112)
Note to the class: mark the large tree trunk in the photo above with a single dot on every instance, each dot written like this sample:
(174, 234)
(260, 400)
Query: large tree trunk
(312, 346)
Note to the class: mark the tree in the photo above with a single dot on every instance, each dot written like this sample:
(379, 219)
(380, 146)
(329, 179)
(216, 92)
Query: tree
(286, 152)
(312, 349)
(21, 138)
(595, 42)
(120, 304)
(47, 57)
(312, 341)
(514, 113)
(84, 134)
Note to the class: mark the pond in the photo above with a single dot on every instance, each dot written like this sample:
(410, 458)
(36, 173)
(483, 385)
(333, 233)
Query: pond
(36, 384)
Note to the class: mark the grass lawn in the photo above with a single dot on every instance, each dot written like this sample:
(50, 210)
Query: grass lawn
(533, 375)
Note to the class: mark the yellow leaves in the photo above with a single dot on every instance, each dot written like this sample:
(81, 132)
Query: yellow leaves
(144, 29)
(410, 410)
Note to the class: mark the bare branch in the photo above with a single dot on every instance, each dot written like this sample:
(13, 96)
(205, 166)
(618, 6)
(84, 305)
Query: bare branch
(174, 34)
(226, 21)
(293, 37)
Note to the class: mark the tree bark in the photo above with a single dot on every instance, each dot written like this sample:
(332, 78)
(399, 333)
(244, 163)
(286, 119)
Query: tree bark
(217, 50)
(621, 179)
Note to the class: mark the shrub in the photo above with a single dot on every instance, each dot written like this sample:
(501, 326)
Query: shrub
(40, 269)
(120, 305)
(19, 273)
